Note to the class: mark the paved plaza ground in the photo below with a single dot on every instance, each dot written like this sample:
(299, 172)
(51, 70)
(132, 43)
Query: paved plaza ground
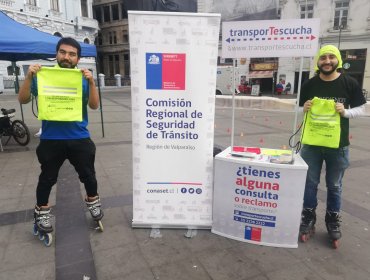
(121, 252)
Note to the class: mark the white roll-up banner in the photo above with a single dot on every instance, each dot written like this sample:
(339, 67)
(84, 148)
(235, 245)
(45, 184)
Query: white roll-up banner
(173, 83)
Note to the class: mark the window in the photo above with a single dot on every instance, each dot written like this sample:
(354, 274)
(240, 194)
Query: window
(111, 66)
(114, 67)
(98, 14)
(100, 63)
(100, 39)
(123, 10)
(116, 64)
(115, 12)
(84, 8)
(114, 37)
(106, 10)
(10, 69)
(31, 2)
(264, 60)
(125, 36)
(341, 14)
(54, 5)
(354, 54)
(126, 64)
(228, 61)
(307, 11)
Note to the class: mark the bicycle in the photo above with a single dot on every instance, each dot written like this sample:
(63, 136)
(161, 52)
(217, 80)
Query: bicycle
(16, 129)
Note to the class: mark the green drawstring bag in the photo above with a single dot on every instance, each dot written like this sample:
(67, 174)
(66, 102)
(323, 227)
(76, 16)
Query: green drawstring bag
(59, 94)
(321, 124)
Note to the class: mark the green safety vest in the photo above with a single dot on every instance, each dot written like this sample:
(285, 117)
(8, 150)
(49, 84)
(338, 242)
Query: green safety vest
(59, 94)
(321, 124)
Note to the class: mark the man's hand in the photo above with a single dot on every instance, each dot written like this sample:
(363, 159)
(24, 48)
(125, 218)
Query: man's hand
(32, 70)
(307, 106)
(88, 75)
(93, 95)
(24, 95)
(339, 107)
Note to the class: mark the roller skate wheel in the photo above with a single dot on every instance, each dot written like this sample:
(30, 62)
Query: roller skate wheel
(35, 230)
(335, 244)
(100, 224)
(41, 236)
(48, 239)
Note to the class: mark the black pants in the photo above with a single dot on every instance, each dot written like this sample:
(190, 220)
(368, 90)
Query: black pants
(51, 155)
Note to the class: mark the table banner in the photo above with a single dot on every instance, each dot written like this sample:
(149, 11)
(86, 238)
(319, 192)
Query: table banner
(257, 201)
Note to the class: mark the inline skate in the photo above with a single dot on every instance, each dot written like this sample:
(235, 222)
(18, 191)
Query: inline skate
(307, 227)
(42, 225)
(332, 221)
(95, 211)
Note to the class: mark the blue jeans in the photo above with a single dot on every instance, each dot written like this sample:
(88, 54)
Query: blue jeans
(336, 162)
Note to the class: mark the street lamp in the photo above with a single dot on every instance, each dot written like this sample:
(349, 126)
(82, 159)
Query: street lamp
(341, 26)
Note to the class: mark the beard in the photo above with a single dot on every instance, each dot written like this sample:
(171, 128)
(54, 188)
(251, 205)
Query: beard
(328, 72)
(66, 64)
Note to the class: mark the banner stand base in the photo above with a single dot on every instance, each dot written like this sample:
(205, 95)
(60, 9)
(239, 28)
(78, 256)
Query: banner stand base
(172, 226)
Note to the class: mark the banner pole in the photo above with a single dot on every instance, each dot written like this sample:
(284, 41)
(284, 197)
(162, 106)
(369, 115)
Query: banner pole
(296, 109)
(100, 99)
(16, 84)
(233, 107)
(298, 93)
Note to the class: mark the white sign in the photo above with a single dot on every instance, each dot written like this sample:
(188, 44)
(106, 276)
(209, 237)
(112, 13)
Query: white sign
(173, 82)
(255, 90)
(258, 202)
(270, 38)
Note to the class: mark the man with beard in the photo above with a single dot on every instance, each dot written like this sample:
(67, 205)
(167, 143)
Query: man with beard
(61, 140)
(329, 83)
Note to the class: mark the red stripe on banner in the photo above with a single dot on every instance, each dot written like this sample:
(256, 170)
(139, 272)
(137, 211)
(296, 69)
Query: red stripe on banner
(173, 67)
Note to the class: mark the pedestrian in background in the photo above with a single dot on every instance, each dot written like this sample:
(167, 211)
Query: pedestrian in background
(288, 88)
(279, 88)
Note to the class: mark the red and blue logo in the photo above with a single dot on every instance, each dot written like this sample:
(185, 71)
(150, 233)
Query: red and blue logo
(165, 71)
(253, 233)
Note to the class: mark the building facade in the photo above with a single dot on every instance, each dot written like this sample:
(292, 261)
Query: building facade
(343, 23)
(63, 18)
(112, 41)
(253, 70)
